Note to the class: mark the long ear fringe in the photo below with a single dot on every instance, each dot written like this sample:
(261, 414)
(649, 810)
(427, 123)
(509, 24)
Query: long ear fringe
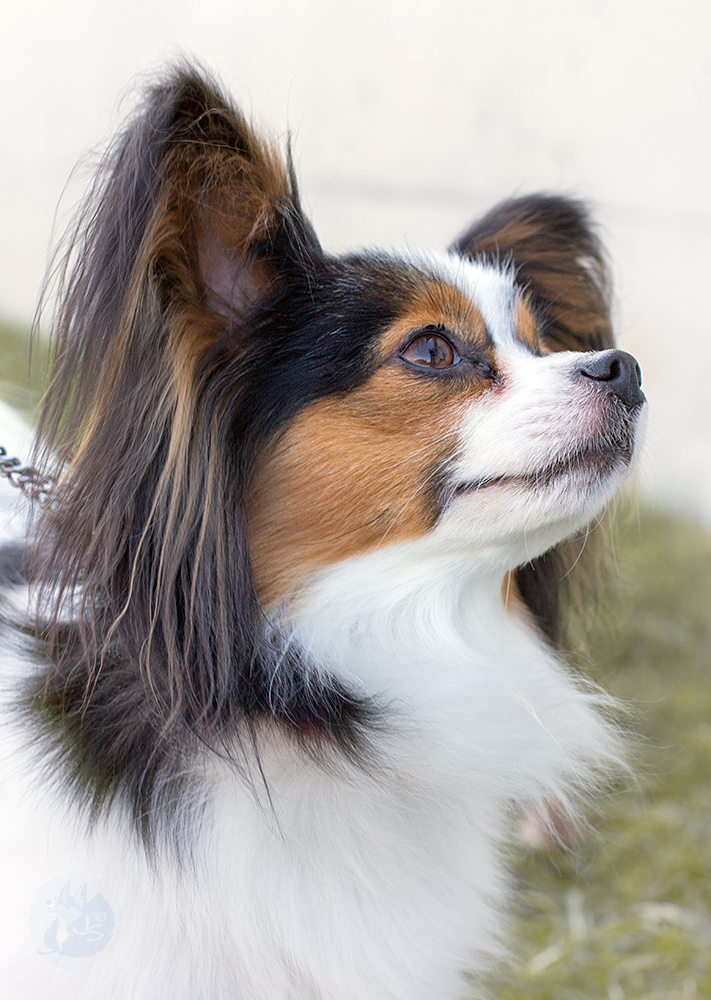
(550, 244)
(184, 148)
(192, 225)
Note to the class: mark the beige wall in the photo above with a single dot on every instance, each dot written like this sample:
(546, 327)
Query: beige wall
(409, 118)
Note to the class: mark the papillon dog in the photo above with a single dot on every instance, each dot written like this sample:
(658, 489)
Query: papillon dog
(280, 641)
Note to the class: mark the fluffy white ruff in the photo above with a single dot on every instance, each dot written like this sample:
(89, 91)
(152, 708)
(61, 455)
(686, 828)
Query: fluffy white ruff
(337, 884)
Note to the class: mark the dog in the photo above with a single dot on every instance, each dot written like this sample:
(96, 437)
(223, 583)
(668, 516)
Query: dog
(280, 639)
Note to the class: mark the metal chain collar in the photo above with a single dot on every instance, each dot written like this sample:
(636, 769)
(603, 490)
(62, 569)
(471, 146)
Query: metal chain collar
(26, 478)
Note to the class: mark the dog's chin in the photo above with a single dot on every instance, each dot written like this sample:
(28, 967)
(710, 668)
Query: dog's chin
(510, 519)
(580, 472)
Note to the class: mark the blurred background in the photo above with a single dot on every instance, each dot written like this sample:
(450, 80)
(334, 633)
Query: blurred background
(408, 119)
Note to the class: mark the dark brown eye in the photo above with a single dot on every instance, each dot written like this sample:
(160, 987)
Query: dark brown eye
(430, 350)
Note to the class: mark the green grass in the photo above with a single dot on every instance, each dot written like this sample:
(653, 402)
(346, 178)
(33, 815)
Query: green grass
(626, 913)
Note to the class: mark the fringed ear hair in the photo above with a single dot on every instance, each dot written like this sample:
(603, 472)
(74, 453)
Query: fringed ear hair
(192, 230)
(556, 257)
(550, 243)
(190, 223)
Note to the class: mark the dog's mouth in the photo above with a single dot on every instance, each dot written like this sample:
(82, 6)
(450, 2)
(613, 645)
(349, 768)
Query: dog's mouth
(598, 462)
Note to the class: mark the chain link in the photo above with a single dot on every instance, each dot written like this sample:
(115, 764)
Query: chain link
(29, 480)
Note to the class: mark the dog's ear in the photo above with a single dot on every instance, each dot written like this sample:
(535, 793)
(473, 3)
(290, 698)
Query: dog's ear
(557, 258)
(192, 222)
(227, 222)
(192, 225)
(187, 245)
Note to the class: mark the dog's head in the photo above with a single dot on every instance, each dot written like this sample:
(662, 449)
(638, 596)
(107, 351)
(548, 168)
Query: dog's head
(464, 423)
(233, 410)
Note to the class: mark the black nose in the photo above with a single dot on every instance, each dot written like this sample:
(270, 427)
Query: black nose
(620, 373)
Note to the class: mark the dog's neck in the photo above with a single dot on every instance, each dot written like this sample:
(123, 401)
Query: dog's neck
(428, 634)
(405, 594)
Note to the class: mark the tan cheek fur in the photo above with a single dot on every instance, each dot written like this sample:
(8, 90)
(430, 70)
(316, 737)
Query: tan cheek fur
(349, 474)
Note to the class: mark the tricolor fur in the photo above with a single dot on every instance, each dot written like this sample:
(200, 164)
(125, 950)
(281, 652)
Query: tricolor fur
(288, 670)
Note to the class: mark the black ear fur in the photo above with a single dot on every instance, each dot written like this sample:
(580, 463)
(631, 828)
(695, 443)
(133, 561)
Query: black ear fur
(192, 229)
(550, 243)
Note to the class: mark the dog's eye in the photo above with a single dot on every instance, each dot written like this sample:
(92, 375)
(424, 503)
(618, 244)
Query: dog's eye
(430, 350)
